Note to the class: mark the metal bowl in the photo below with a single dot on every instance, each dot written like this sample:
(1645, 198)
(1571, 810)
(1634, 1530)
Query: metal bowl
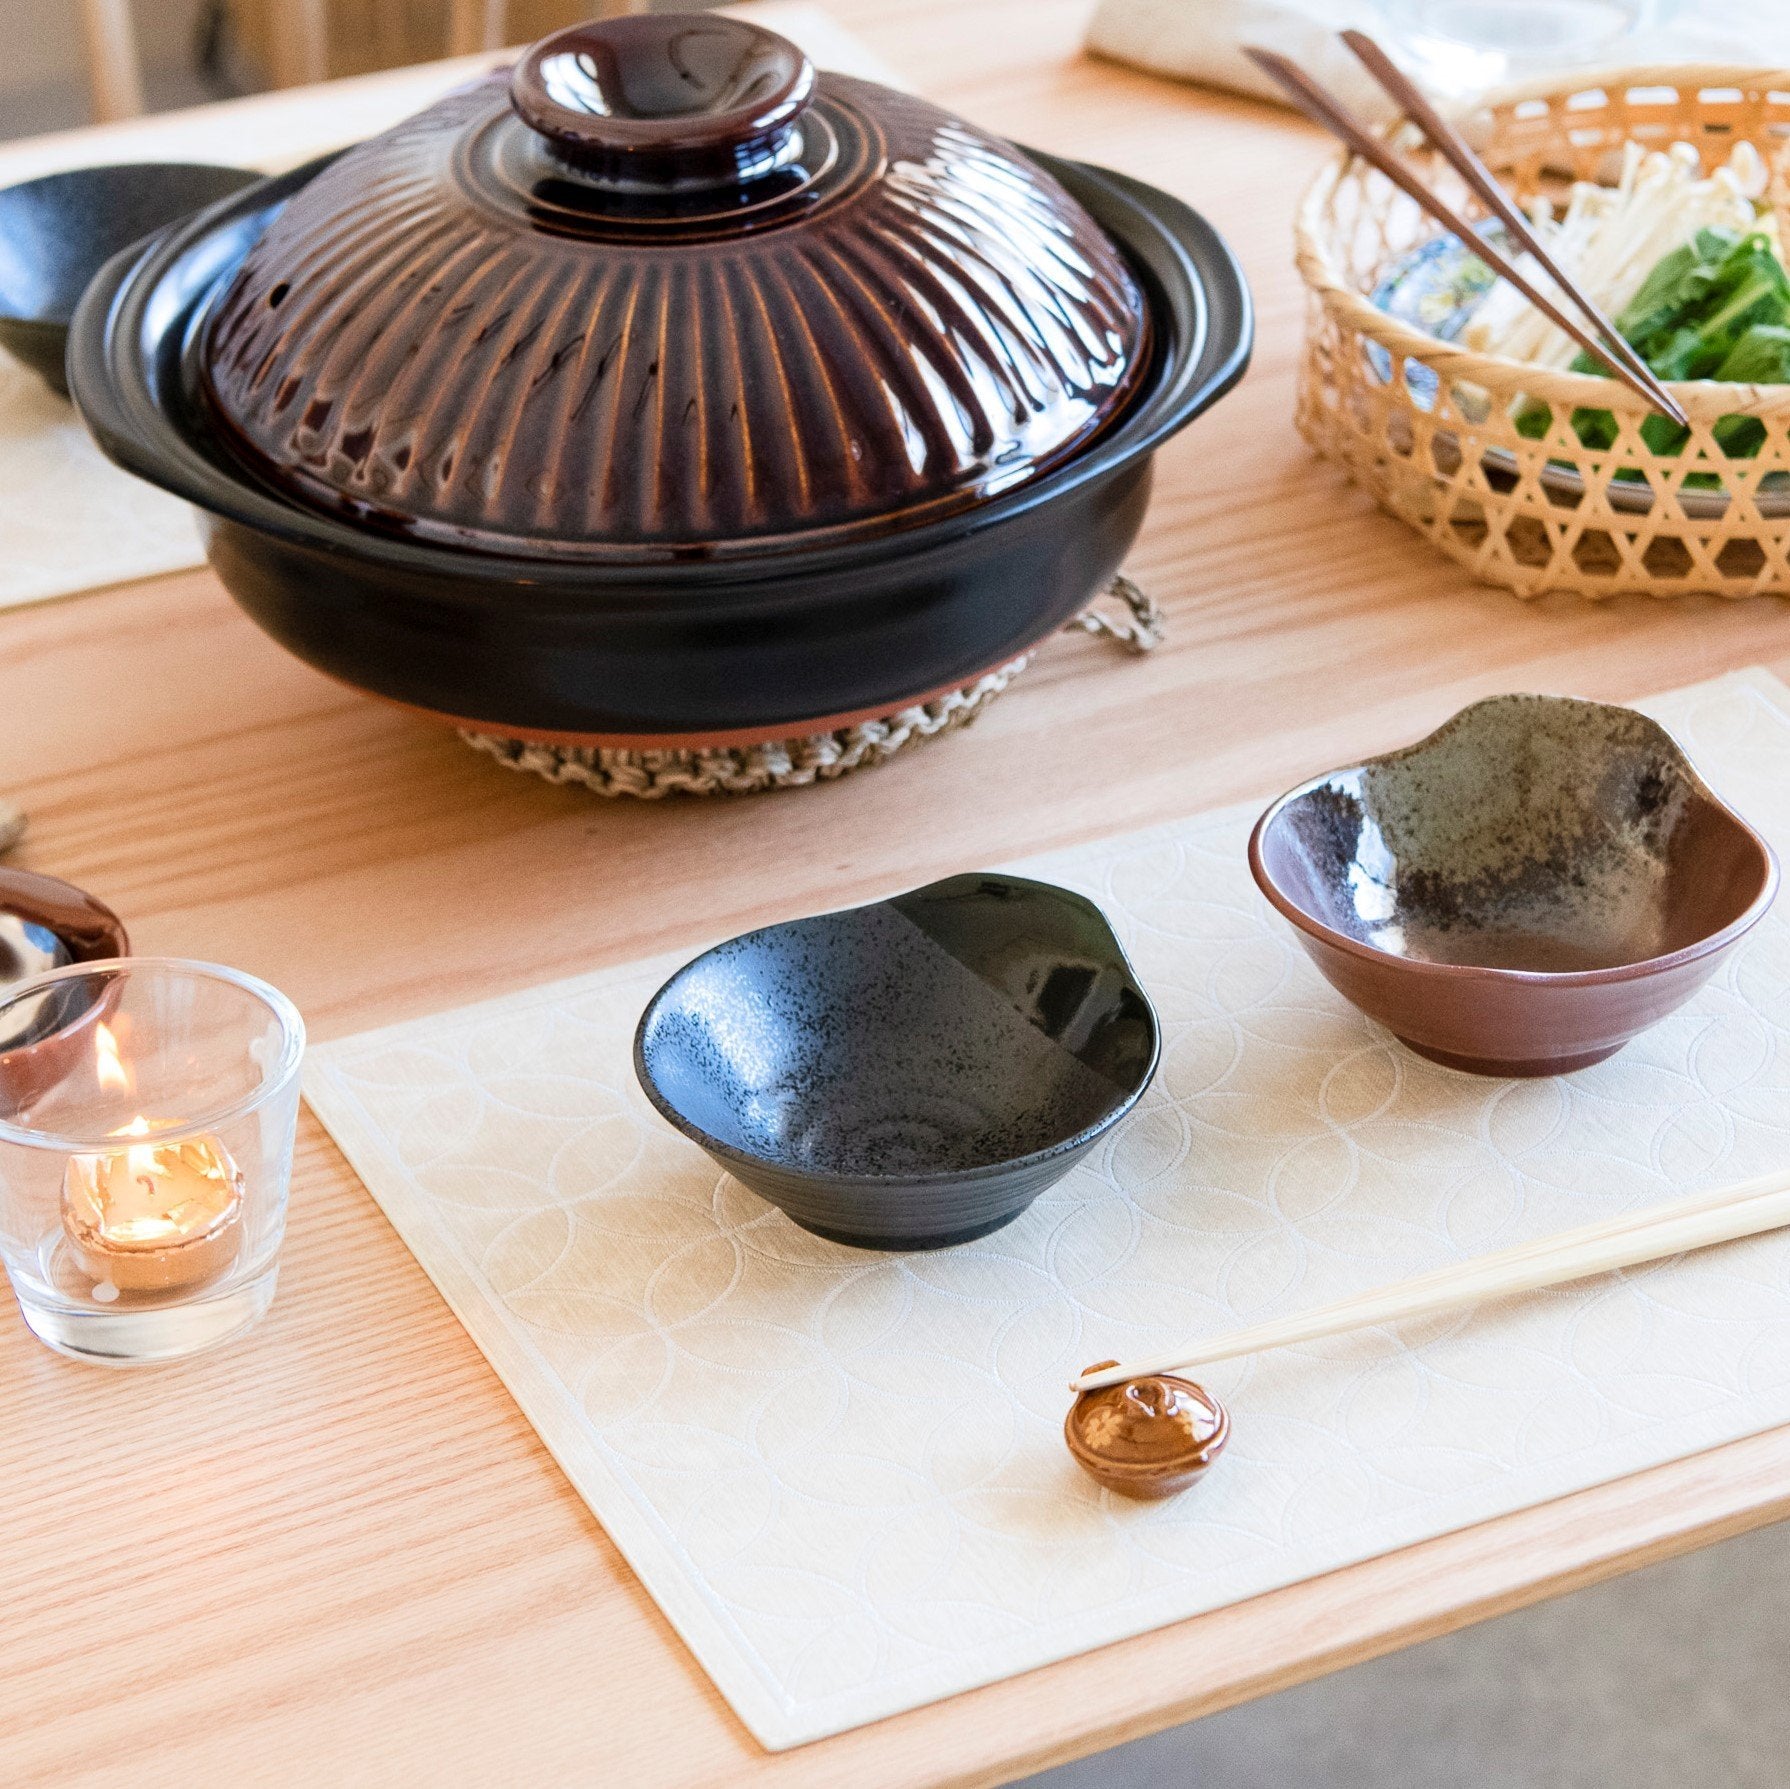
(44, 1043)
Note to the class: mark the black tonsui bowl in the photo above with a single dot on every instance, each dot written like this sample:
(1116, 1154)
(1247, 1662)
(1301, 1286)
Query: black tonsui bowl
(58, 231)
(909, 1074)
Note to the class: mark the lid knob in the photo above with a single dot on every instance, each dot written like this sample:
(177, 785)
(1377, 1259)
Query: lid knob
(660, 102)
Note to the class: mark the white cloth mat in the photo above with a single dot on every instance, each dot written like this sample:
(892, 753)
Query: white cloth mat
(69, 519)
(1199, 40)
(842, 1474)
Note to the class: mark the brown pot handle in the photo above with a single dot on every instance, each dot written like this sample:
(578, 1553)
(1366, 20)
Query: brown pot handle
(656, 103)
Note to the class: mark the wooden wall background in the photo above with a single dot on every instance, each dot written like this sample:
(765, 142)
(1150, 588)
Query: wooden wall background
(359, 36)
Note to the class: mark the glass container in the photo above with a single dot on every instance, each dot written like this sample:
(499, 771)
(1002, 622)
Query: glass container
(147, 1112)
(1466, 46)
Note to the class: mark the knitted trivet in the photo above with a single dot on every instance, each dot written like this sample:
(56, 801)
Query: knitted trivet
(790, 763)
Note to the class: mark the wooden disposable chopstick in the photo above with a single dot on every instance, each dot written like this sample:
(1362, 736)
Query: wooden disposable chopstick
(1455, 150)
(1322, 109)
(1652, 1234)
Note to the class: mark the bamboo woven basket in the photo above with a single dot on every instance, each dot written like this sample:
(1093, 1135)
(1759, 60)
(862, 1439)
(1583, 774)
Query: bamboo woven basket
(1550, 513)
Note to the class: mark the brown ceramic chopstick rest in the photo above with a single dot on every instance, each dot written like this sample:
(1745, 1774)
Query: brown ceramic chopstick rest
(1148, 1437)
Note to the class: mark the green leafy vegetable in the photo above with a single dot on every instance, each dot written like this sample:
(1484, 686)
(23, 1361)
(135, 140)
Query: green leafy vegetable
(1699, 301)
(1717, 308)
(1760, 357)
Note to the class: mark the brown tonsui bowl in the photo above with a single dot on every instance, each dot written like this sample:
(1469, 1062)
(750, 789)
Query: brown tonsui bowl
(1523, 891)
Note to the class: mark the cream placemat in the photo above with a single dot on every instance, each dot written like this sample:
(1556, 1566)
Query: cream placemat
(70, 520)
(841, 1474)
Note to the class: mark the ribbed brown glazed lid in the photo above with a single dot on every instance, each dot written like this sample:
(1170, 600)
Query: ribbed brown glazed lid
(664, 291)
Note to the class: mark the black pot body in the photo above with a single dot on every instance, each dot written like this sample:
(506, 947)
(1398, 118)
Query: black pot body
(750, 659)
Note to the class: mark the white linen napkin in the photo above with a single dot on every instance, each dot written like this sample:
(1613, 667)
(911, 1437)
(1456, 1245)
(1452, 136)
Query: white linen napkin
(1199, 40)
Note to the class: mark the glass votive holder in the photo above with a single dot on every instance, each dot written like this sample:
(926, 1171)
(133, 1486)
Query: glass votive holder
(1466, 46)
(147, 1112)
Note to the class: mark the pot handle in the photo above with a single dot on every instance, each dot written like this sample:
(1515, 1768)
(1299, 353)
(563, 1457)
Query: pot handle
(668, 102)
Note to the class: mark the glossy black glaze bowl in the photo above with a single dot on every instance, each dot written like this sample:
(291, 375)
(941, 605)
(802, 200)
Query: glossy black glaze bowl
(684, 652)
(909, 1074)
(57, 232)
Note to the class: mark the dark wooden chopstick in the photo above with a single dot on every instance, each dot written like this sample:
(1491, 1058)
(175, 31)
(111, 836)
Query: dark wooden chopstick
(1455, 150)
(1333, 116)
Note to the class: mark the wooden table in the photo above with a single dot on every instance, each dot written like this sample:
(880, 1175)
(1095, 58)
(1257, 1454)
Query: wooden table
(336, 1553)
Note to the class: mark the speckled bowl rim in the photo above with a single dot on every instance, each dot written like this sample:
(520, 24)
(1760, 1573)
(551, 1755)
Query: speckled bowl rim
(941, 1177)
(1314, 927)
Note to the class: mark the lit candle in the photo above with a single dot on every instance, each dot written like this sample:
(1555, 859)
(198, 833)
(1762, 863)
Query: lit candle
(153, 1217)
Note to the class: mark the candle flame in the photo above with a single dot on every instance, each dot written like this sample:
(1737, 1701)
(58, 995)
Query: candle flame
(144, 1158)
(109, 1066)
